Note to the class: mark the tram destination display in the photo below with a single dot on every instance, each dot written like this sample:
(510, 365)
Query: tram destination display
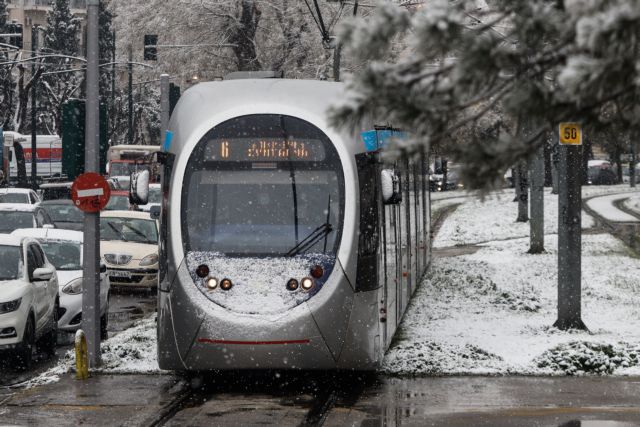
(264, 150)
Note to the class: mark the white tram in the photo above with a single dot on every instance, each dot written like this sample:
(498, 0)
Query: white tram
(277, 249)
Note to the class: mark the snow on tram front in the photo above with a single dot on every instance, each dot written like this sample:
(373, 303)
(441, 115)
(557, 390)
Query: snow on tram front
(260, 237)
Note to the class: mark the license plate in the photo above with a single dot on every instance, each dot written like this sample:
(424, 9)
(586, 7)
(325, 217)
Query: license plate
(118, 273)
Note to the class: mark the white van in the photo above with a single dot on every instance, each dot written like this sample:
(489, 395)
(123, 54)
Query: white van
(48, 149)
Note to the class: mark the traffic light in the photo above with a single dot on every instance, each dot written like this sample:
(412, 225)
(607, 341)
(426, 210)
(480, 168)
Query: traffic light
(14, 28)
(150, 47)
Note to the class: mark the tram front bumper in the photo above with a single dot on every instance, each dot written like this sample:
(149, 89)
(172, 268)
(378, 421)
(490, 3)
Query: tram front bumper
(198, 335)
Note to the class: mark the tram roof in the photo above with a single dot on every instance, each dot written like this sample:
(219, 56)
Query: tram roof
(208, 104)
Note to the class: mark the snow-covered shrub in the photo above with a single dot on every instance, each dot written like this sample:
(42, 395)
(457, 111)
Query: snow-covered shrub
(580, 358)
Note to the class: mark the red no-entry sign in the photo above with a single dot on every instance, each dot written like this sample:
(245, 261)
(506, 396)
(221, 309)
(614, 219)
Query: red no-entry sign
(90, 192)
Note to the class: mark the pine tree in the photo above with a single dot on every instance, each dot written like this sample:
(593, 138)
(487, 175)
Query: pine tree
(61, 37)
(63, 29)
(539, 61)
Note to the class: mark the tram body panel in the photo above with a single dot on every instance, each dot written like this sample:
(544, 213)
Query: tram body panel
(363, 348)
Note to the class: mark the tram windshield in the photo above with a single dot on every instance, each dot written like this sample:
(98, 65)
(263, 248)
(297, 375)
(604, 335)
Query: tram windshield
(288, 202)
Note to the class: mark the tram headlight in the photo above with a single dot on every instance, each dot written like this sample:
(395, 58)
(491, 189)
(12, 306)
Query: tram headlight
(212, 283)
(202, 271)
(226, 284)
(317, 272)
(292, 285)
(307, 284)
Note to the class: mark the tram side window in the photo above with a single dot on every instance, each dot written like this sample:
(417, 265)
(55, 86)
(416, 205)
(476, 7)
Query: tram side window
(368, 242)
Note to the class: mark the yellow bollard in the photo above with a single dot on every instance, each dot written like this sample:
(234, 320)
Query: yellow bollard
(82, 356)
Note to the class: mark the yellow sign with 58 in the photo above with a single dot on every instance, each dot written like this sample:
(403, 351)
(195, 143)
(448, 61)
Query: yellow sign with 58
(570, 133)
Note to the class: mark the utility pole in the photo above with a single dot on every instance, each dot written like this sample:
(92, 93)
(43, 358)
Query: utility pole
(537, 203)
(34, 145)
(570, 229)
(164, 105)
(632, 162)
(337, 53)
(113, 72)
(91, 248)
(130, 115)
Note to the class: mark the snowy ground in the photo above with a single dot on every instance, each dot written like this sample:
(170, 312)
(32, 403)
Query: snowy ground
(486, 313)
(130, 351)
(492, 312)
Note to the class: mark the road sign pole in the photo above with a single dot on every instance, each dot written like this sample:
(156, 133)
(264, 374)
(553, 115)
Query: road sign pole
(570, 235)
(34, 89)
(91, 265)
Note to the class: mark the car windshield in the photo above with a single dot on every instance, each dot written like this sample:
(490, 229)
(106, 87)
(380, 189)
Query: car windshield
(13, 220)
(129, 230)
(155, 195)
(118, 203)
(64, 213)
(10, 262)
(14, 198)
(125, 168)
(63, 255)
(267, 208)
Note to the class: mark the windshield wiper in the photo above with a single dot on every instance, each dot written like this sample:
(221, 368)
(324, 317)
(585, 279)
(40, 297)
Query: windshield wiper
(114, 228)
(313, 238)
(139, 233)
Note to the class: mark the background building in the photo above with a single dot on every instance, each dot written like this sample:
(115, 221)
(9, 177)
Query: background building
(34, 12)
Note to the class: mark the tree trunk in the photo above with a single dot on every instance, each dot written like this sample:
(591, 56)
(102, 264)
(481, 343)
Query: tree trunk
(243, 36)
(523, 195)
(536, 245)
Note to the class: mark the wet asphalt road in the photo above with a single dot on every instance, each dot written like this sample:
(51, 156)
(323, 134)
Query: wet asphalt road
(330, 400)
(125, 307)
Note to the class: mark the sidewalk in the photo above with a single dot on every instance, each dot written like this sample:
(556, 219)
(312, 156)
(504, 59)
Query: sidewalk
(101, 400)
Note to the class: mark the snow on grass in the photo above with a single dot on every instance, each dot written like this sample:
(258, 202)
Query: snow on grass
(633, 203)
(493, 218)
(492, 313)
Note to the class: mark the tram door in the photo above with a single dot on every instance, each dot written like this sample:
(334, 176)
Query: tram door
(390, 247)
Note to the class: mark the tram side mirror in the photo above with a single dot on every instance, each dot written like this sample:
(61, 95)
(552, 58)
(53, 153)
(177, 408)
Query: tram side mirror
(390, 182)
(155, 212)
(139, 188)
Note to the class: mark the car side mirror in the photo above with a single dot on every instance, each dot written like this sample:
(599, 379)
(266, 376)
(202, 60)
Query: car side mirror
(42, 273)
(155, 212)
(139, 188)
(390, 183)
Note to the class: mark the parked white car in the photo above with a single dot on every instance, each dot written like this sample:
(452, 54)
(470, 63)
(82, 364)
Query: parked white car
(129, 247)
(63, 248)
(19, 195)
(28, 298)
(155, 198)
(19, 215)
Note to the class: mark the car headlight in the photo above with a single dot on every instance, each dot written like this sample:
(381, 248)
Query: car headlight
(74, 287)
(149, 260)
(8, 307)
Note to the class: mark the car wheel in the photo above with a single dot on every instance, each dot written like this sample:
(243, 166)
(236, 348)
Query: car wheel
(50, 339)
(24, 351)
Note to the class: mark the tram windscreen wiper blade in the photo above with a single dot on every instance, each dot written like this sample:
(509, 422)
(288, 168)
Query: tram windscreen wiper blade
(313, 238)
